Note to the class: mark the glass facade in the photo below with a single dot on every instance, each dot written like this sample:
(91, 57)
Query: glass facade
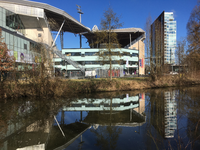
(20, 47)
(170, 37)
(13, 21)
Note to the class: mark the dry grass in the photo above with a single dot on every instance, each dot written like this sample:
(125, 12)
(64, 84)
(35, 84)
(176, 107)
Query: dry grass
(57, 87)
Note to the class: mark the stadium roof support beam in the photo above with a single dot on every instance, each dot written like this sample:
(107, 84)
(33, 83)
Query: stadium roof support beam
(58, 33)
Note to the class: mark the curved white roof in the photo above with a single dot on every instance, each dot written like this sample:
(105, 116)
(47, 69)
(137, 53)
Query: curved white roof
(52, 13)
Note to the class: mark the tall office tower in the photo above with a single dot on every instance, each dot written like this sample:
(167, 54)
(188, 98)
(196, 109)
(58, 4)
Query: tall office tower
(163, 31)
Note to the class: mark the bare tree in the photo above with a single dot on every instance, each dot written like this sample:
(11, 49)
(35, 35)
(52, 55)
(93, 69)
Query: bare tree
(193, 29)
(193, 37)
(106, 37)
(156, 58)
(147, 29)
(181, 55)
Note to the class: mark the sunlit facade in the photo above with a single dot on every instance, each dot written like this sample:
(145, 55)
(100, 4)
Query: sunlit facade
(169, 37)
(26, 24)
(163, 39)
(27, 28)
(88, 57)
(13, 34)
(129, 59)
(170, 114)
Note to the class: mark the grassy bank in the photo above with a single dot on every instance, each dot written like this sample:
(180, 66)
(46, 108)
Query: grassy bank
(57, 87)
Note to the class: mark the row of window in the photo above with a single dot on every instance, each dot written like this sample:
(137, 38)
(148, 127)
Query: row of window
(97, 53)
(16, 43)
(97, 62)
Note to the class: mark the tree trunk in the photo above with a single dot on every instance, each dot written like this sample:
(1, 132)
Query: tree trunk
(110, 52)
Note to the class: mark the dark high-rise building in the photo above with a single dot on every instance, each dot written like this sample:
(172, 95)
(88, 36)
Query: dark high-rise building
(163, 39)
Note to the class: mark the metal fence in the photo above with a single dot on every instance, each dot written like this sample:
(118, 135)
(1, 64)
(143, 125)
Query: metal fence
(94, 73)
(105, 73)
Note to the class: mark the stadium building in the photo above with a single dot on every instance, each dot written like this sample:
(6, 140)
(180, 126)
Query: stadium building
(24, 24)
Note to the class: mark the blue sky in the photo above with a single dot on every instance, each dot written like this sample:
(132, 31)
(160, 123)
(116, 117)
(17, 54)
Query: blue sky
(133, 13)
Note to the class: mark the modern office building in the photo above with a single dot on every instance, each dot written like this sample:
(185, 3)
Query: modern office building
(163, 39)
(25, 24)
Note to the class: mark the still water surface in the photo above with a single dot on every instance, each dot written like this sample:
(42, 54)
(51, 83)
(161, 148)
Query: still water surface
(152, 119)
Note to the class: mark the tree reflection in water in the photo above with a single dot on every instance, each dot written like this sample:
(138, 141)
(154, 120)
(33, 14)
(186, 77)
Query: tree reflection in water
(107, 136)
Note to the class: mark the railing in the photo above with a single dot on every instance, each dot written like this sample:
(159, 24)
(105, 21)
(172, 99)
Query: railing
(62, 56)
(136, 40)
(68, 59)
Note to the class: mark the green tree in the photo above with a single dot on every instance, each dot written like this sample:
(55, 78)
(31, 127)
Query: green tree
(107, 39)
(6, 61)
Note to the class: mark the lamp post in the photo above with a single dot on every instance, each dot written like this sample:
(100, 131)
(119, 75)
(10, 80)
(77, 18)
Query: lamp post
(80, 12)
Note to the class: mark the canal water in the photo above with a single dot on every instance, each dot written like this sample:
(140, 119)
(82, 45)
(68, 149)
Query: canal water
(149, 119)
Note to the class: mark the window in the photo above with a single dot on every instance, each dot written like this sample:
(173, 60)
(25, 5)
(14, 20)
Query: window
(91, 53)
(32, 46)
(73, 53)
(81, 62)
(91, 62)
(25, 46)
(134, 55)
(13, 21)
(126, 54)
(57, 63)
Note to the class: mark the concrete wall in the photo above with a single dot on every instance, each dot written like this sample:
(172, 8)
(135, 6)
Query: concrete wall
(141, 107)
(44, 38)
(141, 54)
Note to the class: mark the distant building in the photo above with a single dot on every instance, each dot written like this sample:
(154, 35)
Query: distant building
(163, 39)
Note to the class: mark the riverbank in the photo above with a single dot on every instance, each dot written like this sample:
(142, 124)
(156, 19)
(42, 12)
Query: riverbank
(58, 87)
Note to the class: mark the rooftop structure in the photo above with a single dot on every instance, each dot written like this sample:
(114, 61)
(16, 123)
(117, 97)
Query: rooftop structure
(27, 9)
(125, 36)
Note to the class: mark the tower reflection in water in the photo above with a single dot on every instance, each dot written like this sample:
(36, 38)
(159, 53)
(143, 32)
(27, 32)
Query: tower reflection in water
(164, 113)
(170, 114)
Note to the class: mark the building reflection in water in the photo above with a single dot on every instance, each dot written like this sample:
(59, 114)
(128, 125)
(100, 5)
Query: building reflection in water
(128, 106)
(35, 132)
(91, 113)
(164, 113)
